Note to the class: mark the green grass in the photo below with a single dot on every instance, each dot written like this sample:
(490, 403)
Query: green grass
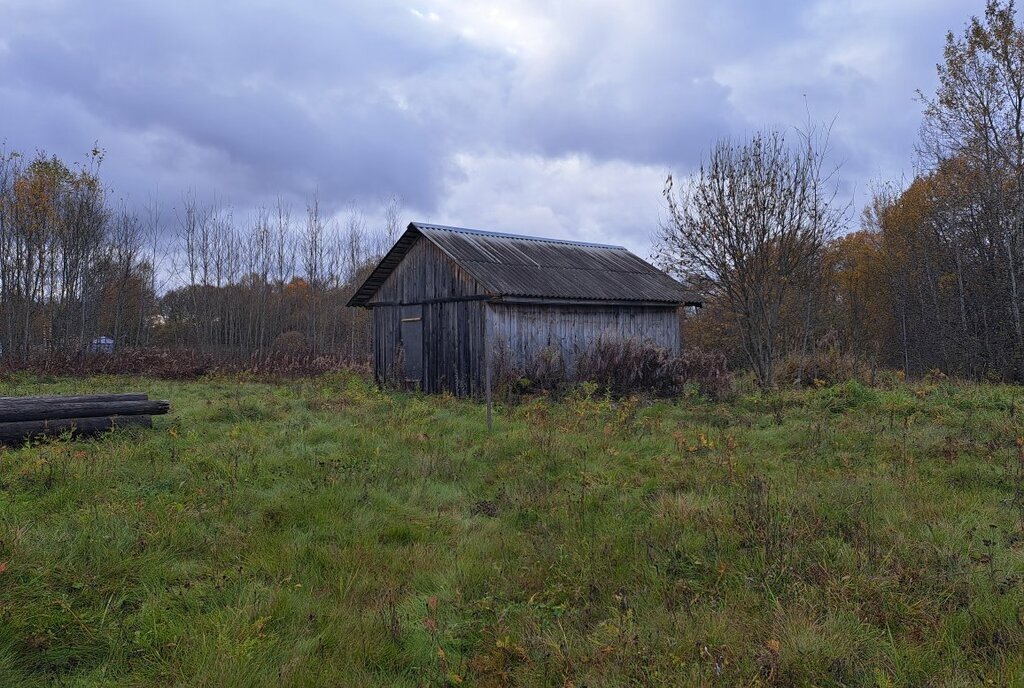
(323, 533)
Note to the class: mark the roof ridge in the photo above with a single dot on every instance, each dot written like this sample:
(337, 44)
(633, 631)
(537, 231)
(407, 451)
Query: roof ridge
(524, 237)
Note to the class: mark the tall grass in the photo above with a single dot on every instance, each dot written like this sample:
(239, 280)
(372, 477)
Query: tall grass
(320, 532)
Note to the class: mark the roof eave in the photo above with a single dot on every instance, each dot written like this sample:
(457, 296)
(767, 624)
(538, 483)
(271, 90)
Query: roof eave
(361, 297)
(640, 303)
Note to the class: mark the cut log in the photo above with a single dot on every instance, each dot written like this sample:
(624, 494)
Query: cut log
(11, 433)
(131, 396)
(47, 410)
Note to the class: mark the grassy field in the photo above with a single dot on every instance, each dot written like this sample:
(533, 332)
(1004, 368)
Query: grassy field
(320, 532)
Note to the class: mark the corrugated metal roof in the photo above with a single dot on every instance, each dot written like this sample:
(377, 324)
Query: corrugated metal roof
(509, 265)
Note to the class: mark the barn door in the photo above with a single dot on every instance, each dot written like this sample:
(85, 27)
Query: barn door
(412, 342)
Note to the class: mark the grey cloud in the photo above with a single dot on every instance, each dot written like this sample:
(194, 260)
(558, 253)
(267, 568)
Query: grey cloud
(292, 105)
(362, 99)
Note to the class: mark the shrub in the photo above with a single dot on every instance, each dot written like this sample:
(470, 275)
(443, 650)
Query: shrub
(849, 395)
(627, 366)
(547, 370)
(708, 371)
(826, 367)
(544, 372)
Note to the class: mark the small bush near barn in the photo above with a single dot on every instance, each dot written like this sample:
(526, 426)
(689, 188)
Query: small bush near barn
(320, 532)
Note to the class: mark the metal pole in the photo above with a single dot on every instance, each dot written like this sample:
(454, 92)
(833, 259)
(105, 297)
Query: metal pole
(487, 365)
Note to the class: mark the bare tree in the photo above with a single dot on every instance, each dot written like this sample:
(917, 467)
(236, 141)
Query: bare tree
(392, 225)
(124, 250)
(749, 227)
(314, 247)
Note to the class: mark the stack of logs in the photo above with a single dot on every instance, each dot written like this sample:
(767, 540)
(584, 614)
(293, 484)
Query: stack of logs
(23, 418)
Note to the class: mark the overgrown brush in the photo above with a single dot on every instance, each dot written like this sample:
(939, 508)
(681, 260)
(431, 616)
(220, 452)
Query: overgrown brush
(620, 367)
(631, 366)
(182, 364)
(825, 367)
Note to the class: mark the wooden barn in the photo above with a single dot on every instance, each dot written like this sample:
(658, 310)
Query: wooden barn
(446, 301)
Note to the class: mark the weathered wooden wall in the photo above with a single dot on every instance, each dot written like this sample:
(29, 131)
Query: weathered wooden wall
(425, 274)
(459, 325)
(453, 322)
(523, 331)
(453, 343)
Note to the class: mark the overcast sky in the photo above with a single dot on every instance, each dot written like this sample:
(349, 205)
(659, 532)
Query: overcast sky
(546, 118)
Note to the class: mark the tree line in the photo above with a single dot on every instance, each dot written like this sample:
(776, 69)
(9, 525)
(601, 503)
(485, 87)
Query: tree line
(76, 265)
(933, 277)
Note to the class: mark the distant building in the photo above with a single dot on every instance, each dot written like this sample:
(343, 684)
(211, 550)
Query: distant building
(101, 345)
(445, 300)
